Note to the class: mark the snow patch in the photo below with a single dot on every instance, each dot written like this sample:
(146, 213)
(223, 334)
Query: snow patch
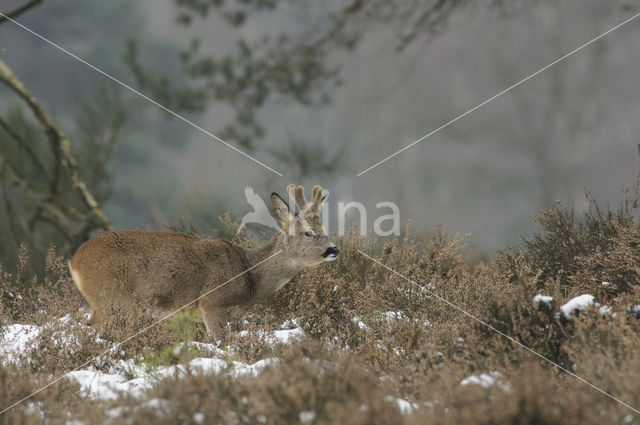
(393, 316)
(198, 417)
(605, 309)
(286, 336)
(283, 336)
(290, 324)
(405, 406)
(15, 341)
(98, 385)
(306, 416)
(545, 299)
(108, 386)
(361, 325)
(486, 380)
(580, 302)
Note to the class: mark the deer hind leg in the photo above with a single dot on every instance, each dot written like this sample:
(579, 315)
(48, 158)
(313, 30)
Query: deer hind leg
(96, 317)
(215, 320)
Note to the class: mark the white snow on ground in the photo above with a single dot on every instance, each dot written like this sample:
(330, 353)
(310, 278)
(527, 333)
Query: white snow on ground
(486, 380)
(358, 321)
(393, 315)
(108, 386)
(283, 336)
(96, 384)
(545, 299)
(306, 416)
(406, 407)
(290, 324)
(580, 302)
(16, 339)
(605, 309)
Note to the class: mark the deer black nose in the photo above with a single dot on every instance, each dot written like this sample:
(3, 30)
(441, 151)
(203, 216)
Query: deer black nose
(333, 251)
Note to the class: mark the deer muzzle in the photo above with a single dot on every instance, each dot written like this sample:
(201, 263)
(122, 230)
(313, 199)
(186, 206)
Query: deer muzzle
(331, 252)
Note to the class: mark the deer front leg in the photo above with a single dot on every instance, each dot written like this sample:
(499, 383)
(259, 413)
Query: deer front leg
(215, 320)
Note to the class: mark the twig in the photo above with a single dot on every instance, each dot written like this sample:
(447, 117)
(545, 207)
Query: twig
(19, 11)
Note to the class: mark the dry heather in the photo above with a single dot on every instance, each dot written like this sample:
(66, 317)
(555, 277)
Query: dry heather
(377, 349)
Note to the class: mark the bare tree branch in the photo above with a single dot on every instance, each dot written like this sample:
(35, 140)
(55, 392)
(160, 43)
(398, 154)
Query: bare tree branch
(19, 11)
(13, 225)
(60, 146)
(50, 211)
(27, 148)
(432, 19)
(332, 33)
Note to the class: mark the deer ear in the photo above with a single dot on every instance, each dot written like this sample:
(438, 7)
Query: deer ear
(280, 208)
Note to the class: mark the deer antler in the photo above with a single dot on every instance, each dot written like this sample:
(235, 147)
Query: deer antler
(309, 211)
(301, 200)
(296, 193)
(318, 196)
(291, 192)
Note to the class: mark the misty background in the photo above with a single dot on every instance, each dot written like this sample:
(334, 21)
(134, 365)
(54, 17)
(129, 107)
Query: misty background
(377, 86)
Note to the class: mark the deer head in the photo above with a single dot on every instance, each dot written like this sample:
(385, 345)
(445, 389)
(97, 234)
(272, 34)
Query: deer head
(305, 240)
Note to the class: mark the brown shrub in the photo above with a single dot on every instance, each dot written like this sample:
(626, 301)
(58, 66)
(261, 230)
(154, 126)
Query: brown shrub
(304, 382)
(373, 336)
(618, 266)
(582, 254)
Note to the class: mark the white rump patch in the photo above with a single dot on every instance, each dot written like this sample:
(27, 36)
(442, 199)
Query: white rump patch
(76, 277)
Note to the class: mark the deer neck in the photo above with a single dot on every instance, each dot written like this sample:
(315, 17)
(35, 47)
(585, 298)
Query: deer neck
(275, 272)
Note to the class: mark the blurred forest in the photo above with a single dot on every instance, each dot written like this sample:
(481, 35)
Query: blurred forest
(318, 92)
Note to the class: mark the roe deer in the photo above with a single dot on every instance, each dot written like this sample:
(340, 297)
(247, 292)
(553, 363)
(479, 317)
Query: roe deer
(134, 272)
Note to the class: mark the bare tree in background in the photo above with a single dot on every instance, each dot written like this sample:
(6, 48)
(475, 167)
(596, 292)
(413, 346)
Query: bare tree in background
(43, 183)
(556, 124)
(301, 66)
(51, 197)
(45, 199)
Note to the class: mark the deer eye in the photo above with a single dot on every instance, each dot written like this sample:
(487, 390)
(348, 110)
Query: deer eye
(308, 234)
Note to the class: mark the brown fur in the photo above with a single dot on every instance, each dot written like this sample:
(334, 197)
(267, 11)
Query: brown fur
(141, 272)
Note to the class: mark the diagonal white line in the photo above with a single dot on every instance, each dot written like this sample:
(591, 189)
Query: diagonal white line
(136, 334)
(501, 333)
(175, 114)
(577, 49)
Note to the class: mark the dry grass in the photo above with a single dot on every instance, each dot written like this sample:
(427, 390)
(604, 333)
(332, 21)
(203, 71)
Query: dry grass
(372, 337)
